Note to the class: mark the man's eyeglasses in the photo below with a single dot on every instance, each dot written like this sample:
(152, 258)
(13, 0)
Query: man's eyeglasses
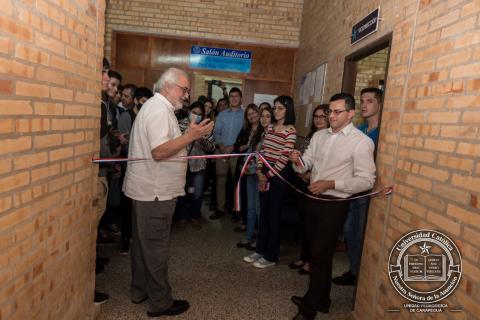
(336, 112)
(184, 89)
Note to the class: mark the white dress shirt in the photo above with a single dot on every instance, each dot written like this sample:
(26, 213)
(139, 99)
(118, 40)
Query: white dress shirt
(151, 179)
(345, 157)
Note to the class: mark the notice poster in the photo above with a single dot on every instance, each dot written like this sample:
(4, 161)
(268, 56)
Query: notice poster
(320, 82)
(258, 98)
(308, 116)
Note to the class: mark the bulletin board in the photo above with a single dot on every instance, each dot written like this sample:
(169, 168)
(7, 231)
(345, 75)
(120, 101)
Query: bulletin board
(312, 87)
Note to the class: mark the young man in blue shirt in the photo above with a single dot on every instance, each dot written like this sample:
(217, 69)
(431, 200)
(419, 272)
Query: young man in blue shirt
(227, 126)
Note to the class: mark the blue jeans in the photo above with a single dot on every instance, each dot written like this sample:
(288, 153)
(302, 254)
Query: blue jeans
(253, 204)
(353, 228)
(194, 192)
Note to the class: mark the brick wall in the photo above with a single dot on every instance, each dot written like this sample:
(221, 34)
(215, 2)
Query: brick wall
(50, 53)
(429, 139)
(370, 71)
(270, 22)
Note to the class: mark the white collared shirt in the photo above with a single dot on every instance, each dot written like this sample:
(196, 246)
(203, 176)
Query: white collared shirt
(150, 179)
(345, 157)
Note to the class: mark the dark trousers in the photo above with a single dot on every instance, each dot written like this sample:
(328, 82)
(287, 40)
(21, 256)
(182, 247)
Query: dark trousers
(301, 202)
(126, 211)
(189, 206)
(268, 239)
(211, 181)
(324, 222)
(150, 242)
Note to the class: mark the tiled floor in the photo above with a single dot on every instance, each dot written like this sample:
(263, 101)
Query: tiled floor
(206, 269)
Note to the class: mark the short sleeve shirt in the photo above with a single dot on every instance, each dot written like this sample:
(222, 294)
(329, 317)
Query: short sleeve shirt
(148, 180)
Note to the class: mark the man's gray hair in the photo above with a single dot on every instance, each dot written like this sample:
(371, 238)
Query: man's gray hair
(170, 76)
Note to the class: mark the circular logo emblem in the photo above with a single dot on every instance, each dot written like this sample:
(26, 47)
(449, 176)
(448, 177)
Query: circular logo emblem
(196, 50)
(425, 266)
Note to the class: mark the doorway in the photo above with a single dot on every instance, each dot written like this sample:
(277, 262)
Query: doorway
(366, 68)
(205, 85)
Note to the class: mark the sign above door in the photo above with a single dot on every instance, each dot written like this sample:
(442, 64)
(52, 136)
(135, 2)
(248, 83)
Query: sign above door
(220, 59)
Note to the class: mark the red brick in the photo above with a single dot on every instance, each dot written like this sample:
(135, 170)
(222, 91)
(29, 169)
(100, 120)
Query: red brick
(60, 154)
(85, 97)
(49, 43)
(444, 223)
(7, 126)
(74, 110)
(433, 173)
(45, 141)
(465, 132)
(5, 165)
(443, 117)
(466, 182)
(49, 75)
(45, 172)
(48, 109)
(15, 144)
(457, 163)
(32, 125)
(5, 44)
(440, 145)
(76, 55)
(31, 54)
(465, 71)
(464, 215)
(458, 57)
(14, 181)
(73, 137)
(469, 149)
(29, 161)
(32, 90)
(63, 124)
(12, 28)
(471, 117)
(21, 70)
(61, 94)
(463, 101)
(6, 86)
(460, 27)
(60, 183)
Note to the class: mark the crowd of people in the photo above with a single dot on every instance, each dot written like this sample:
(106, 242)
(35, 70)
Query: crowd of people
(139, 200)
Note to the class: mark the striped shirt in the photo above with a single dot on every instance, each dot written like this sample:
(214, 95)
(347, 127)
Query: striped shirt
(276, 147)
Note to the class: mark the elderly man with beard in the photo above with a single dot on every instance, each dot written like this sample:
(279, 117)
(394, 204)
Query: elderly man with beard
(154, 185)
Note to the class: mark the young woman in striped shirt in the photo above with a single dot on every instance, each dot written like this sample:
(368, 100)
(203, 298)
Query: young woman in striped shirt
(278, 143)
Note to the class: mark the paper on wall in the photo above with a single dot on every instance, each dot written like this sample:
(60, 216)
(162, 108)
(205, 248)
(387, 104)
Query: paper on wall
(308, 116)
(320, 82)
(258, 98)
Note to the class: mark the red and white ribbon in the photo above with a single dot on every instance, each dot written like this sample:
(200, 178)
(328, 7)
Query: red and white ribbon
(385, 191)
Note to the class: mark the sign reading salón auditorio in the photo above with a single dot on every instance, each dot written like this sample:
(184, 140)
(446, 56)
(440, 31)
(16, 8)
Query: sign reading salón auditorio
(220, 59)
(425, 267)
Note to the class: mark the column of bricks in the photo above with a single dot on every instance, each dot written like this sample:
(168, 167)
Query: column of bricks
(429, 137)
(50, 62)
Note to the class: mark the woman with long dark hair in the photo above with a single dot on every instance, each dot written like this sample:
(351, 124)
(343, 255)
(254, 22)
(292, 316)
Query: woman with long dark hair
(278, 143)
(301, 181)
(242, 144)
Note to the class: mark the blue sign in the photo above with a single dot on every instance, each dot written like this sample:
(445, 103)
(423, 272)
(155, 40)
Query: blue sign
(366, 27)
(220, 59)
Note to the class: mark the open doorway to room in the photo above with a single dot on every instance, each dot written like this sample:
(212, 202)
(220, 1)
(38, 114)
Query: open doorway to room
(206, 85)
(365, 68)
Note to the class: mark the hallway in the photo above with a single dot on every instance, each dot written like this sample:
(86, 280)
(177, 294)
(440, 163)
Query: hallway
(207, 269)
